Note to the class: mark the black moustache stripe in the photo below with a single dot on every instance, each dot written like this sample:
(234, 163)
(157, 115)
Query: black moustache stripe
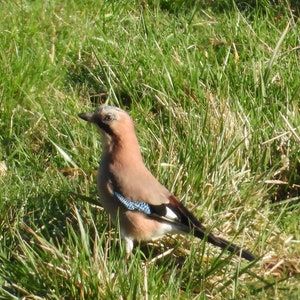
(105, 127)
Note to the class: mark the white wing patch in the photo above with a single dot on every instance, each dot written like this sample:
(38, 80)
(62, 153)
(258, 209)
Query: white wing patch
(170, 214)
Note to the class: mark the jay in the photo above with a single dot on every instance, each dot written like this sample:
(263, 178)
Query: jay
(145, 209)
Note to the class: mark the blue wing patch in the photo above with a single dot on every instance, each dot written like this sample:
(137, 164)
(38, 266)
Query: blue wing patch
(134, 205)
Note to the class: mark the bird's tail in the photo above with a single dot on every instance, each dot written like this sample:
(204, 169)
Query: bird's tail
(217, 241)
(189, 223)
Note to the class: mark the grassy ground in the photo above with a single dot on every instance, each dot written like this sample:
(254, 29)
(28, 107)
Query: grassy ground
(213, 87)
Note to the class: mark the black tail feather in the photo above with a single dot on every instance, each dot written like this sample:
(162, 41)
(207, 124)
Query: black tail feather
(217, 241)
(193, 225)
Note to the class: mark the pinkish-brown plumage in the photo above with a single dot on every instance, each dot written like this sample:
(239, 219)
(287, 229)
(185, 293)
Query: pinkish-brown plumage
(128, 191)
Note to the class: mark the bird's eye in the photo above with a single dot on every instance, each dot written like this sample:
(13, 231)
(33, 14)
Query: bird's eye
(108, 118)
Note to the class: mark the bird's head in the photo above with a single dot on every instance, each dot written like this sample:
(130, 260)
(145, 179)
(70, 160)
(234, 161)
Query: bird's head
(113, 123)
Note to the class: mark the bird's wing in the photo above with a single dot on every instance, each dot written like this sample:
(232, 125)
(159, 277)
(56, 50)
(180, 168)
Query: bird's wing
(173, 211)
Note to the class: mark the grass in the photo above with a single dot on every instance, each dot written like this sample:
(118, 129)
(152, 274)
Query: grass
(213, 87)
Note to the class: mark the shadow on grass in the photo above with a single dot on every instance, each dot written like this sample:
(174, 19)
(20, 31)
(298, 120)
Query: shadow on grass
(89, 78)
(180, 6)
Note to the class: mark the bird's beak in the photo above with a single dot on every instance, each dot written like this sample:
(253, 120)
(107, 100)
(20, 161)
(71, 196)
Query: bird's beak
(88, 116)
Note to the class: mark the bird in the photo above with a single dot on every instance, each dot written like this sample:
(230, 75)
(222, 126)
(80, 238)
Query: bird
(144, 208)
